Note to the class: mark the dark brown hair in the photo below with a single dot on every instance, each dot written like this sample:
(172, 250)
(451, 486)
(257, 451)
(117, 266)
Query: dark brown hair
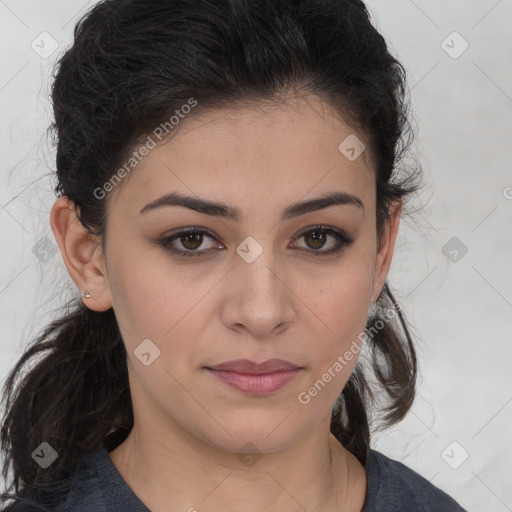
(132, 64)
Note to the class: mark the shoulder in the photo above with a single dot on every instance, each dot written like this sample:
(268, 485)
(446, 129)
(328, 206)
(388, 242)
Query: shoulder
(82, 492)
(26, 505)
(392, 484)
(21, 506)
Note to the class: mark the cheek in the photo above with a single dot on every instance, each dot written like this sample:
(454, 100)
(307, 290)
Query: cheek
(140, 297)
(341, 296)
(154, 300)
(337, 348)
(340, 306)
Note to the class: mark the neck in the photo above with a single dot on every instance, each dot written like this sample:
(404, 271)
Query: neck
(169, 471)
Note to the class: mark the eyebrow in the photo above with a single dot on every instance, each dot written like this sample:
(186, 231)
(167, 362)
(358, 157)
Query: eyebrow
(217, 209)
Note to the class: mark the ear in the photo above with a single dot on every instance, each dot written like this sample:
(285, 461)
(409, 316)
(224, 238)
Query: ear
(385, 250)
(82, 254)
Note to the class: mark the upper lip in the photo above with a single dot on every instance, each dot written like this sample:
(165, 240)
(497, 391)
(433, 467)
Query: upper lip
(250, 367)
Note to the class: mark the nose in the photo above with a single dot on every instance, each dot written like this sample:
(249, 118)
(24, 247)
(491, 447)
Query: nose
(259, 300)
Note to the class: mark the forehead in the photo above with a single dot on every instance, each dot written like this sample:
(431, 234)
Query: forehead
(253, 152)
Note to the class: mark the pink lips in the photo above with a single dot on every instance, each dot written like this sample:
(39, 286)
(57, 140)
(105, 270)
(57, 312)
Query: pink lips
(252, 377)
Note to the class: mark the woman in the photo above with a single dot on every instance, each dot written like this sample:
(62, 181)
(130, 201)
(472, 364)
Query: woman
(229, 201)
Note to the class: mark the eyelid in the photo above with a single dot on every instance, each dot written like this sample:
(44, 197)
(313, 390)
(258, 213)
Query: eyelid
(340, 235)
(175, 234)
(190, 229)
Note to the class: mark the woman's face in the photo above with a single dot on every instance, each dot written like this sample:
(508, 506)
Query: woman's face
(257, 287)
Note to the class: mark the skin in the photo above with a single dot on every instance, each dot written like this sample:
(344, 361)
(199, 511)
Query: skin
(184, 452)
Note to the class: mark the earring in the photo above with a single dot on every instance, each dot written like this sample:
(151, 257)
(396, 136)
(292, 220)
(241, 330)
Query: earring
(86, 294)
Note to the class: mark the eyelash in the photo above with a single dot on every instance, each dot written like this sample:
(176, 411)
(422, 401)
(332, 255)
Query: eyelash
(341, 237)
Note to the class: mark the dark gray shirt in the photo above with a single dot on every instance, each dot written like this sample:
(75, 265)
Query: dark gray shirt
(97, 486)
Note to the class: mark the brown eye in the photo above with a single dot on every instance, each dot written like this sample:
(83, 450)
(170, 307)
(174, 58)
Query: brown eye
(316, 238)
(190, 240)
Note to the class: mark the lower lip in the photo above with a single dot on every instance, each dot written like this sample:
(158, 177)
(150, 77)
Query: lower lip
(257, 384)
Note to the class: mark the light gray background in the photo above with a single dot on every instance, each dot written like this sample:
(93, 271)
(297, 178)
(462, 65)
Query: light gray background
(461, 310)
